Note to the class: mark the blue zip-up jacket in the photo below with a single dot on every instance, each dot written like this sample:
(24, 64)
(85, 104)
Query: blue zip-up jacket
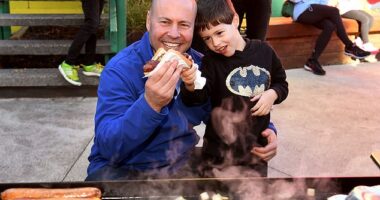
(302, 5)
(128, 132)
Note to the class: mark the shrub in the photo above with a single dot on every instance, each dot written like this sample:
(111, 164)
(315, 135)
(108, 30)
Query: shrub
(136, 16)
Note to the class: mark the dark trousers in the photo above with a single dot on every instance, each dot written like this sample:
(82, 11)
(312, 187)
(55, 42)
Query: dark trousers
(328, 19)
(86, 36)
(258, 14)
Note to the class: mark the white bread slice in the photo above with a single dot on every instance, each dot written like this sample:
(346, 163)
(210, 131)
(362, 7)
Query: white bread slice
(169, 56)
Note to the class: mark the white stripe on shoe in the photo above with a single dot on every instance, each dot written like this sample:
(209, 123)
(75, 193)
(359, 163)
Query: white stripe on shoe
(90, 73)
(76, 83)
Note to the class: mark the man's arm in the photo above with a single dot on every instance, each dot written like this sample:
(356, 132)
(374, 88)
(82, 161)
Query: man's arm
(270, 150)
(124, 119)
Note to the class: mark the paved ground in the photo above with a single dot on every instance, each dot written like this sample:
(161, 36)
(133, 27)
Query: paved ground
(328, 126)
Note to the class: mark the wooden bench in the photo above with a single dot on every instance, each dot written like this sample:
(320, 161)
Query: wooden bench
(294, 42)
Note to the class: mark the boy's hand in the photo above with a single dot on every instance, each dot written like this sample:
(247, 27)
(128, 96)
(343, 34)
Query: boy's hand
(270, 150)
(188, 77)
(264, 103)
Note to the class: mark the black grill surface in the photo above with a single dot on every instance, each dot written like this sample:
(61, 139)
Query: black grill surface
(235, 189)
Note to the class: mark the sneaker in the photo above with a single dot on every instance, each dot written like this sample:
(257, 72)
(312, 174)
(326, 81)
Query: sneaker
(92, 70)
(356, 52)
(70, 73)
(369, 47)
(359, 42)
(314, 66)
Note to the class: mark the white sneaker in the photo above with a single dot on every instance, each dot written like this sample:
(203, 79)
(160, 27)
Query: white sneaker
(369, 47)
(359, 42)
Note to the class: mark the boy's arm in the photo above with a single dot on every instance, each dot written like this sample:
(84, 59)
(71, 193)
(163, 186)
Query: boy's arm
(193, 97)
(279, 83)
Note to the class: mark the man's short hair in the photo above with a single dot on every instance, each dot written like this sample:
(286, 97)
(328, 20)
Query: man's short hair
(212, 12)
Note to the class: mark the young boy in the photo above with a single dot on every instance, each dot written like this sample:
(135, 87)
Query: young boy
(244, 79)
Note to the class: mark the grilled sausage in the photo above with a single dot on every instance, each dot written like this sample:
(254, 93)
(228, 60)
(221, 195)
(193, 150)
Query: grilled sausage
(63, 198)
(44, 193)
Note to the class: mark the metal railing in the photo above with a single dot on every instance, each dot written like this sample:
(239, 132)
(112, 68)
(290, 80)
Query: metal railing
(5, 32)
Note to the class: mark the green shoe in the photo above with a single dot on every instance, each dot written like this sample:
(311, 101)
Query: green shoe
(92, 70)
(70, 73)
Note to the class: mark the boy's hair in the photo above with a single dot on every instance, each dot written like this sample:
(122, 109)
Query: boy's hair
(212, 12)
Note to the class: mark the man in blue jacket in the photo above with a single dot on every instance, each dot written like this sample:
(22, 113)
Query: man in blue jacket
(141, 127)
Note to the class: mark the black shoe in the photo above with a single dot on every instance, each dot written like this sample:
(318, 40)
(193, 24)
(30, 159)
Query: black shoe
(314, 66)
(356, 52)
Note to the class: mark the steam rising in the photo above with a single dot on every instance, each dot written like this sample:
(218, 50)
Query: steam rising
(229, 123)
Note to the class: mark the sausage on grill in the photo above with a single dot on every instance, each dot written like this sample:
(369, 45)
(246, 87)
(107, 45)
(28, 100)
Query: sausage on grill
(45, 193)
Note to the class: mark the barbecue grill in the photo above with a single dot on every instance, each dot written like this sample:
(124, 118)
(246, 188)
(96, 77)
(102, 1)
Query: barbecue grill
(233, 188)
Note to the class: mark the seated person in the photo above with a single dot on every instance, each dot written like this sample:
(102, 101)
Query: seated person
(319, 14)
(355, 9)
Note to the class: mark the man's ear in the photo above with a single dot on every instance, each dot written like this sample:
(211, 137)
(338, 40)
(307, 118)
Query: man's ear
(147, 23)
(235, 20)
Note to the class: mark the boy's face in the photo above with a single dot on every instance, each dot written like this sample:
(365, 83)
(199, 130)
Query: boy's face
(171, 24)
(223, 39)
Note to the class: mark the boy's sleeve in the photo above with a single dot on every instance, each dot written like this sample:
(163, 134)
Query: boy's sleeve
(278, 83)
(198, 97)
(195, 98)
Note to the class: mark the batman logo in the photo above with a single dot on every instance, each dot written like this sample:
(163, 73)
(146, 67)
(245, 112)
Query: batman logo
(248, 81)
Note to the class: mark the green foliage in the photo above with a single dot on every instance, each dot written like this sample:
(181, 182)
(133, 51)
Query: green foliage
(136, 14)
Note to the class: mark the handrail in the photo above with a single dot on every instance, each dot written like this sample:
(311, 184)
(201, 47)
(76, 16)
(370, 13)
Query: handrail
(117, 17)
(122, 23)
(5, 32)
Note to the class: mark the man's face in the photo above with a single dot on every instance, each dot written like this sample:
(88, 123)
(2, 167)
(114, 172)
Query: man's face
(171, 24)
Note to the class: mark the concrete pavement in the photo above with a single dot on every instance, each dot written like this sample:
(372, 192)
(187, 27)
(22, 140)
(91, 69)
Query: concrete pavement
(328, 126)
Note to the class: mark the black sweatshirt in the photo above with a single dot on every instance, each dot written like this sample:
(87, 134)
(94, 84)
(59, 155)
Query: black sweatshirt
(230, 82)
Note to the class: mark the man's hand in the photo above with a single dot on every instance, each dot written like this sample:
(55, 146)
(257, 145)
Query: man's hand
(264, 103)
(160, 87)
(269, 151)
(188, 77)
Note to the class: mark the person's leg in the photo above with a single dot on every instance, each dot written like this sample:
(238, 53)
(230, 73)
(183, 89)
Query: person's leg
(69, 67)
(240, 9)
(90, 26)
(258, 16)
(365, 21)
(90, 47)
(332, 14)
(312, 17)
(327, 28)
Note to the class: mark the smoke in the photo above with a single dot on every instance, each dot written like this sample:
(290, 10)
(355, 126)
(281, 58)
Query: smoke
(235, 133)
(229, 123)
(241, 182)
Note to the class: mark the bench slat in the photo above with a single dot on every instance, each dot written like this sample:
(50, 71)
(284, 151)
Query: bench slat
(44, 47)
(42, 77)
(284, 27)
